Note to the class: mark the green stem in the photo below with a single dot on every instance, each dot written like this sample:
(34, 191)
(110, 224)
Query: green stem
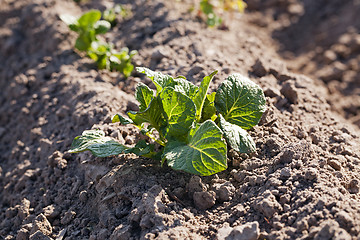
(155, 139)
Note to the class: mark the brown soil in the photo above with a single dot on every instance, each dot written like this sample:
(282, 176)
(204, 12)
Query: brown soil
(303, 182)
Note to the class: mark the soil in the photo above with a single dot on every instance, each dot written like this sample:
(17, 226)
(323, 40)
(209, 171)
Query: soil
(303, 182)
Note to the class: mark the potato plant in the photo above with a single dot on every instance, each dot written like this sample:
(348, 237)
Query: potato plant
(111, 14)
(89, 27)
(192, 127)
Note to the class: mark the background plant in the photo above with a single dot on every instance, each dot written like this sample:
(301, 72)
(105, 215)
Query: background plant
(89, 26)
(111, 14)
(212, 9)
(192, 127)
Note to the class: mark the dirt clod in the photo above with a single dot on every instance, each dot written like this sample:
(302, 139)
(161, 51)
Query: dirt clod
(204, 200)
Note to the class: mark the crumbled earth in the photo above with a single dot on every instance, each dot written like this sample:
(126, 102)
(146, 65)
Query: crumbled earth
(302, 183)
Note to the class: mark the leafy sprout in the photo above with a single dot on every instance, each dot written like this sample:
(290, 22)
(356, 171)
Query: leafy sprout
(192, 127)
(89, 26)
(111, 14)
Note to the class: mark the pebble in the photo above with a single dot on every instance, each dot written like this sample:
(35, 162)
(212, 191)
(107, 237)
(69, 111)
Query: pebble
(289, 91)
(334, 164)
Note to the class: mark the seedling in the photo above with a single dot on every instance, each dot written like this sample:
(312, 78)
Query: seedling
(89, 26)
(210, 9)
(111, 13)
(193, 128)
(107, 58)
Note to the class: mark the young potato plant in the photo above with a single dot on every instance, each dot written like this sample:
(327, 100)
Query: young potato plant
(192, 127)
(111, 14)
(210, 7)
(89, 26)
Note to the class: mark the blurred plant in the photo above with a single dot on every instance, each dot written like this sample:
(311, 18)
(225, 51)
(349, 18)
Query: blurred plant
(111, 14)
(212, 8)
(89, 26)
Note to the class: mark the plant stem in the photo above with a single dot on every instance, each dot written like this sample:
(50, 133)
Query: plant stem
(155, 139)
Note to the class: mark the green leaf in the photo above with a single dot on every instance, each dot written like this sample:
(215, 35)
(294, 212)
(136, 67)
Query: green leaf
(236, 137)
(144, 95)
(185, 87)
(88, 19)
(240, 101)
(209, 110)
(179, 112)
(71, 21)
(96, 142)
(118, 118)
(102, 27)
(160, 80)
(121, 61)
(153, 114)
(205, 153)
(206, 7)
(200, 96)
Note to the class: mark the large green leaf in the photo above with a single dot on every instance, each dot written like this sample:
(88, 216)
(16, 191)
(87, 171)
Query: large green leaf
(204, 154)
(88, 19)
(186, 87)
(153, 114)
(200, 96)
(240, 101)
(179, 112)
(160, 80)
(96, 142)
(236, 137)
(144, 95)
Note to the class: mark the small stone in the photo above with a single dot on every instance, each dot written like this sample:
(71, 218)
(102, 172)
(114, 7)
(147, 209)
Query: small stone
(271, 92)
(334, 164)
(258, 69)
(157, 55)
(204, 200)
(344, 219)
(289, 91)
(311, 174)
(83, 196)
(329, 56)
(51, 212)
(285, 173)
(41, 224)
(354, 186)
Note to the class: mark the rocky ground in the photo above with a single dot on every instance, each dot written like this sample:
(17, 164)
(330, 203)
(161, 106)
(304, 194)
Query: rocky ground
(303, 182)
